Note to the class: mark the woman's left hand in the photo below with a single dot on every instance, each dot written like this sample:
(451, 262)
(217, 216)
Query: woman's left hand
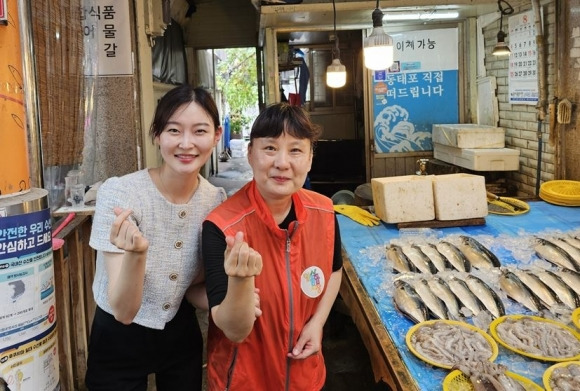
(309, 342)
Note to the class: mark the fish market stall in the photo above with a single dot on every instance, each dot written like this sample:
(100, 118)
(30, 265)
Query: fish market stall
(369, 284)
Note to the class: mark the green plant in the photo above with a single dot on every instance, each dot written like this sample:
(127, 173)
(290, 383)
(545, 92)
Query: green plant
(238, 122)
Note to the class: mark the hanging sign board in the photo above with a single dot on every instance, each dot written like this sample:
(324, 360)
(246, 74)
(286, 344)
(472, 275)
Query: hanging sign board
(420, 89)
(106, 27)
(523, 62)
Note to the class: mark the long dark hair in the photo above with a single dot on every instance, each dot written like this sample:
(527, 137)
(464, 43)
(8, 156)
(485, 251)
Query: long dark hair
(177, 97)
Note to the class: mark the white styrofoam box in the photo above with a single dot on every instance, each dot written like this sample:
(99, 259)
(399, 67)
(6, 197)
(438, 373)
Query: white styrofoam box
(459, 196)
(483, 159)
(403, 198)
(469, 135)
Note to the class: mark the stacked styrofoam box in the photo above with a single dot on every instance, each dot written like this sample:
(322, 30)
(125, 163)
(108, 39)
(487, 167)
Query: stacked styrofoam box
(476, 147)
(413, 198)
(459, 196)
(238, 147)
(403, 198)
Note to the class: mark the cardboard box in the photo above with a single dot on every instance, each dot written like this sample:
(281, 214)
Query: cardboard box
(403, 198)
(469, 135)
(488, 159)
(459, 196)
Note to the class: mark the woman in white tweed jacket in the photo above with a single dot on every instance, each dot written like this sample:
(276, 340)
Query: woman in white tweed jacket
(149, 278)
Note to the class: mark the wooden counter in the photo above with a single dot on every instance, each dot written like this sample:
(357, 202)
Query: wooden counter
(383, 354)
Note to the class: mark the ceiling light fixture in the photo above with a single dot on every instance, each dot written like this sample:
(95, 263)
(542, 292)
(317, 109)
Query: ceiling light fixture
(378, 47)
(427, 15)
(501, 48)
(335, 72)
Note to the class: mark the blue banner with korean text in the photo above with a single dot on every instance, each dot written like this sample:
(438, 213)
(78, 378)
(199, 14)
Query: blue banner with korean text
(420, 89)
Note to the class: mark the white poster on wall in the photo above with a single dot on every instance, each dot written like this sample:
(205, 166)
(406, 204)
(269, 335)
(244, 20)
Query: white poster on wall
(523, 62)
(106, 25)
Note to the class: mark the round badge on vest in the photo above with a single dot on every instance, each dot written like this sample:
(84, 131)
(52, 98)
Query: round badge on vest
(312, 282)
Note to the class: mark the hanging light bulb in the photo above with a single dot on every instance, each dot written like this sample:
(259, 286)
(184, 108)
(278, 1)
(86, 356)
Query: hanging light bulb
(501, 48)
(378, 47)
(335, 72)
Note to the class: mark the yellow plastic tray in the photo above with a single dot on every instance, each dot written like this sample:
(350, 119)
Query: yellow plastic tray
(563, 189)
(412, 330)
(548, 372)
(498, 321)
(457, 381)
(576, 317)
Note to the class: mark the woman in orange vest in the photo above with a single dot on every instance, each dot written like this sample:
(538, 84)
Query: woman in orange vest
(282, 240)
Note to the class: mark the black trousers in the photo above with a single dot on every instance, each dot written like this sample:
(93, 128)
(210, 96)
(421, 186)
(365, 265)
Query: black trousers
(122, 356)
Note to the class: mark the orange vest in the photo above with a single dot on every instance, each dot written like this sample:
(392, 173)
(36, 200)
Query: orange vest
(297, 264)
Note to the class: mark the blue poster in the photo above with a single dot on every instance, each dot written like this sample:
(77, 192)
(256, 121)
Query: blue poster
(420, 89)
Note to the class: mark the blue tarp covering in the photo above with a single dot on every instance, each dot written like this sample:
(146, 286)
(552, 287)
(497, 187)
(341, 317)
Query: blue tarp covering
(509, 237)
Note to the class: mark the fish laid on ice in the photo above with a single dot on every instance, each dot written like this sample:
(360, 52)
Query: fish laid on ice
(554, 254)
(419, 259)
(434, 304)
(408, 302)
(455, 257)
(544, 294)
(439, 260)
(465, 295)
(517, 291)
(570, 249)
(564, 292)
(440, 288)
(478, 255)
(571, 278)
(486, 295)
(572, 240)
(399, 260)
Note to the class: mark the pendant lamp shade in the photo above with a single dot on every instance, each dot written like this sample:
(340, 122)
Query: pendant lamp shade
(336, 74)
(336, 71)
(378, 47)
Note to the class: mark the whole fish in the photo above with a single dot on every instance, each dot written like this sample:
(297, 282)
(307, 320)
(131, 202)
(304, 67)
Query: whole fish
(419, 259)
(554, 254)
(477, 254)
(399, 260)
(408, 302)
(570, 249)
(464, 295)
(517, 291)
(572, 240)
(439, 260)
(544, 294)
(486, 295)
(564, 292)
(434, 304)
(455, 257)
(440, 288)
(571, 278)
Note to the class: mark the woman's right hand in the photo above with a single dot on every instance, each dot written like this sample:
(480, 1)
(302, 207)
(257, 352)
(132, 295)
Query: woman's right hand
(125, 234)
(240, 259)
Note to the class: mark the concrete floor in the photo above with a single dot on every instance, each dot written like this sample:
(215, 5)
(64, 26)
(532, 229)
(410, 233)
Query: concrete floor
(347, 361)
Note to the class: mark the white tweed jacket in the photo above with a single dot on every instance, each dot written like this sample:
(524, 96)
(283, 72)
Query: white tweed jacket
(174, 234)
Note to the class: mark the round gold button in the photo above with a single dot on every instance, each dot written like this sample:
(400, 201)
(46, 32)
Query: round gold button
(173, 276)
(166, 306)
(178, 244)
(182, 214)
